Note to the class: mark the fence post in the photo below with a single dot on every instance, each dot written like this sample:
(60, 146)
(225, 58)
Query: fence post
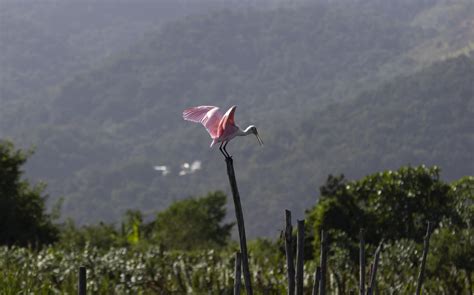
(317, 279)
(322, 283)
(289, 253)
(238, 274)
(361, 263)
(240, 224)
(82, 285)
(300, 258)
(426, 246)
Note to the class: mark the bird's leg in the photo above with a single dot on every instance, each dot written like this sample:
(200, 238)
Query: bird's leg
(222, 151)
(224, 148)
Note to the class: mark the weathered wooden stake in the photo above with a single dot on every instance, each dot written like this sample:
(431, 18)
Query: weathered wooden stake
(324, 256)
(240, 224)
(290, 264)
(371, 269)
(238, 274)
(426, 246)
(317, 279)
(300, 258)
(373, 274)
(361, 263)
(179, 278)
(82, 285)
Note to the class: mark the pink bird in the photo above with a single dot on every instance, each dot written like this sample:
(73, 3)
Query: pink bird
(221, 128)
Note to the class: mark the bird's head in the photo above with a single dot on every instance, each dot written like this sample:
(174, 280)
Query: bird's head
(253, 129)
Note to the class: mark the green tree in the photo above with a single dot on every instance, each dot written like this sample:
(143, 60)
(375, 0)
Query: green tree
(104, 236)
(101, 236)
(395, 206)
(193, 223)
(453, 243)
(392, 205)
(23, 217)
(131, 227)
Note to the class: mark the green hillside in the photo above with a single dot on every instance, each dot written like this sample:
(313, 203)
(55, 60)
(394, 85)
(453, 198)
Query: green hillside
(333, 87)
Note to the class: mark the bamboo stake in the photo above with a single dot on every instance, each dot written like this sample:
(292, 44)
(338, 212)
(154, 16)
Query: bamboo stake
(240, 224)
(322, 283)
(361, 263)
(426, 246)
(289, 253)
(373, 273)
(317, 279)
(82, 285)
(299, 258)
(238, 274)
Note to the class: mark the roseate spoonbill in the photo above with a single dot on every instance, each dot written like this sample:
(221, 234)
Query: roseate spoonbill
(221, 128)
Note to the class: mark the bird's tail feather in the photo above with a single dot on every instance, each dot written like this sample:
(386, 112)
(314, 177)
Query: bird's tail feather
(214, 141)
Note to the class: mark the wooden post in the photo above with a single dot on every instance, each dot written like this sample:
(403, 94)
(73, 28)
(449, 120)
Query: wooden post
(324, 256)
(361, 263)
(237, 272)
(426, 246)
(177, 273)
(240, 224)
(300, 258)
(371, 269)
(289, 253)
(373, 274)
(82, 285)
(317, 279)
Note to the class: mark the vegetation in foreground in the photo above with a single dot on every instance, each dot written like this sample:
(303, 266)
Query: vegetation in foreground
(186, 248)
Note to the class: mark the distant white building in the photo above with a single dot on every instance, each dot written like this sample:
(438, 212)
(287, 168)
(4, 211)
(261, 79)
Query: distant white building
(163, 169)
(187, 168)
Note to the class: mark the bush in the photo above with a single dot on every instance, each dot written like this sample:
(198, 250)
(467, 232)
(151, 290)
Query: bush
(23, 217)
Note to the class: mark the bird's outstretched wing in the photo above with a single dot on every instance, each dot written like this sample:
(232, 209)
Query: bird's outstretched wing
(196, 114)
(227, 120)
(209, 116)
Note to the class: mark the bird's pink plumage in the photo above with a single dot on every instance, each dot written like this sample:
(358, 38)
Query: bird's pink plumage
(209, 116)
(226, 121)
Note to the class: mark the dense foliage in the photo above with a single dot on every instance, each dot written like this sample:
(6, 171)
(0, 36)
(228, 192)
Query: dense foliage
(189, 224)
(23, 217)
(395, 206)
(186, 248)
(122, 270)
(390, 205)
(135, 268)
(193, 224)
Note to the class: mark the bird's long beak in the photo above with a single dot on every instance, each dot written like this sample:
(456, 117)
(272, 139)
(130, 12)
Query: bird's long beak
(259, 139)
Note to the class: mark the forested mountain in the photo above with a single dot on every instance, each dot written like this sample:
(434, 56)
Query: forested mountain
(333, 86)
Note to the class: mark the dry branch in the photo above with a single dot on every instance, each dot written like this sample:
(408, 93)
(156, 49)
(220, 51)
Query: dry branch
(373, 273)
